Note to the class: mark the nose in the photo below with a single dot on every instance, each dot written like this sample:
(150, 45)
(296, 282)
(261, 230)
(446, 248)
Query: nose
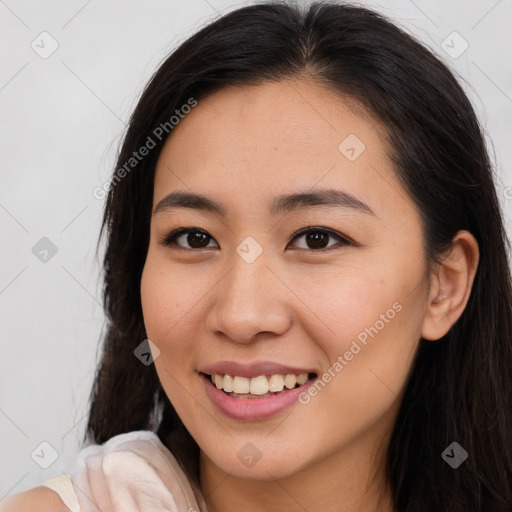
(250, 303)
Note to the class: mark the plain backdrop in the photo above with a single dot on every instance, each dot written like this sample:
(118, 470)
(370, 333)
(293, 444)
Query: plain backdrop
(62, 118)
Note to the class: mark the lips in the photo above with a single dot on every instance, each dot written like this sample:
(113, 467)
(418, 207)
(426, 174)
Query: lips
(246, 407)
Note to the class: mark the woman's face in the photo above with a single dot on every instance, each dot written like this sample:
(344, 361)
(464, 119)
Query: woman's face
(344, 303)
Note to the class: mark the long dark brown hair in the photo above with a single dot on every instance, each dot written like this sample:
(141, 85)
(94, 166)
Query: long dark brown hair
(460, 387)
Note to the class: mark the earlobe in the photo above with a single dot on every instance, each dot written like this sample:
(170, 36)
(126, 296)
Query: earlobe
(451, 286)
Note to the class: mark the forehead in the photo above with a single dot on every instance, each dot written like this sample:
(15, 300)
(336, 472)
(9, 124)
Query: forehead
(269, 120)
(249, 141)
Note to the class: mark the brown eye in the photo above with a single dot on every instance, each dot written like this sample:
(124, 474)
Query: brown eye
(195, 238)
(318, 239)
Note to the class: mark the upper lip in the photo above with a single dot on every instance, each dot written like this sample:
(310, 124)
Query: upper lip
(252, 370)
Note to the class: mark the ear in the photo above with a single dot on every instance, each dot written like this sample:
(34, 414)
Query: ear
(450, 286)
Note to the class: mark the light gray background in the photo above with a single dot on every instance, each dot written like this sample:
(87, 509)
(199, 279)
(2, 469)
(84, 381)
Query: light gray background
(62, 118)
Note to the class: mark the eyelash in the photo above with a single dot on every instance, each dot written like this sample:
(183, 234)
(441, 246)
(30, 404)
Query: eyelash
(170, 239)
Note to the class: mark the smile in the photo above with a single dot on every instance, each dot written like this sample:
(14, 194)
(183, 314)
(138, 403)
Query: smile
(255, 398)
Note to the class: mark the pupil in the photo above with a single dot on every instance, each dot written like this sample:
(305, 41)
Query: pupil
(316, 239)
(195, 239)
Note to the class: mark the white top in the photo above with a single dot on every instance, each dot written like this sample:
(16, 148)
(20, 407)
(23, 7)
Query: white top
(132, 472)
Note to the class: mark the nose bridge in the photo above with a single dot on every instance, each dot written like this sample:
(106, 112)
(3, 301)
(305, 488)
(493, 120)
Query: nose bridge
(249, 299)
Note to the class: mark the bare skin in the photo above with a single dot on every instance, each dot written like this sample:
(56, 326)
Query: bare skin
(295, 304)
(41, 498)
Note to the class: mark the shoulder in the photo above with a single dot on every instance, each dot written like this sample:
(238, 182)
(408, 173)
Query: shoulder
(41, 498)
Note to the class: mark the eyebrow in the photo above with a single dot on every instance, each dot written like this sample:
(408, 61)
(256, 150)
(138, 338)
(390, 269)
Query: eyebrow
(281, 204)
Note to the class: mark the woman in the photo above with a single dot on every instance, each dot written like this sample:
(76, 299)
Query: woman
(303, 236)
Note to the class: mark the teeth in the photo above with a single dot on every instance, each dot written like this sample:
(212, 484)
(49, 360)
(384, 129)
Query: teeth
(302, 378)
(276, 383)
(260, 385)
(228, 383)
(241, 385)
(290, 381)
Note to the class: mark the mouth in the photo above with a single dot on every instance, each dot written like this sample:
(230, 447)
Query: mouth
(255, 398)
(259, 387)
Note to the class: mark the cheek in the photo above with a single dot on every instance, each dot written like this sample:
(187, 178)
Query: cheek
(368, 325)
(168, 296)
(166, 303)
(355, 302)
(364, 380)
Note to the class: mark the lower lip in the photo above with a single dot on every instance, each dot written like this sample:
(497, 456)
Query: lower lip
(252, 409)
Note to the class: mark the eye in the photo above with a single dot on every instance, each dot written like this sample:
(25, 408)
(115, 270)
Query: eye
(316, 238)
(196, 238)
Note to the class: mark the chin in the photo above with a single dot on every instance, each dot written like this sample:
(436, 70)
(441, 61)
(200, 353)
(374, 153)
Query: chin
(263, 464)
